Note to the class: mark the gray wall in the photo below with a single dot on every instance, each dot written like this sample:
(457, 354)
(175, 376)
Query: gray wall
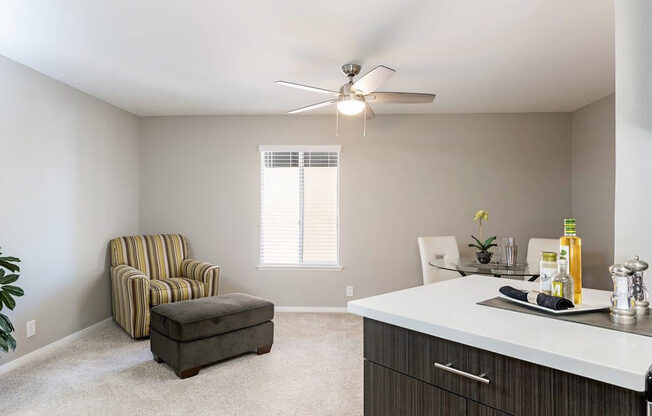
(593, 180)
(410, 176)
(69, 182)
(633, 228)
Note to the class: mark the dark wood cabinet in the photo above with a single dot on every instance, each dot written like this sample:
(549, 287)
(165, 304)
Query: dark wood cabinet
(477, 409)
(514, 387)
(390, 393)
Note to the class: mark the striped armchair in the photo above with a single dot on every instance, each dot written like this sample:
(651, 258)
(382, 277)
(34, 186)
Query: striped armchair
(149, 270)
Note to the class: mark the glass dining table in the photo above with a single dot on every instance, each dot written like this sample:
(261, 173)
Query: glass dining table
(469, 265)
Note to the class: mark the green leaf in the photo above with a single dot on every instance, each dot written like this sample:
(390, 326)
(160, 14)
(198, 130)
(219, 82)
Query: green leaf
(14, 290)
(5, 323)
(2, 272)
(11, 259)
(10, 278)
(489, 240)
(3, 343)
(11, 341)
(6, 262)
(477, 241)
(476, 246)
(7, 300)
(7, 341)
(490, 245)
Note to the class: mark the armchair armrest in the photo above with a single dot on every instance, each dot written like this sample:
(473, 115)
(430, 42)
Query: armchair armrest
(130, 299)
(207, 273)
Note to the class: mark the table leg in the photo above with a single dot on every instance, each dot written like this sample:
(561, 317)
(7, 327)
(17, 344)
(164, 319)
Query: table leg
(533, 278)
(461, 273)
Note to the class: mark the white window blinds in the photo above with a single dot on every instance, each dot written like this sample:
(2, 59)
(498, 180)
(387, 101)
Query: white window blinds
(299, 223)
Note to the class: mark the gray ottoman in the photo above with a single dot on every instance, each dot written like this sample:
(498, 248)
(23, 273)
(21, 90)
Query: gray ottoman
(191, 334)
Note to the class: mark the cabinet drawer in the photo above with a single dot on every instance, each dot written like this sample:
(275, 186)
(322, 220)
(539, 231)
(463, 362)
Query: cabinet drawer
(514, 386)
(477, 409)
(390, 393)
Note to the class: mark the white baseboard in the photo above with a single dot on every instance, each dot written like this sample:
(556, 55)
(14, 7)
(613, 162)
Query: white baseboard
(48, 349)
(310, 309)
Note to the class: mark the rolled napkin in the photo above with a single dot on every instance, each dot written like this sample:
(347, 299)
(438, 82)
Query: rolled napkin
(538, 298)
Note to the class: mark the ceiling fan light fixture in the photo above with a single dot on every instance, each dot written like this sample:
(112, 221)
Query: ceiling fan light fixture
(350, 105)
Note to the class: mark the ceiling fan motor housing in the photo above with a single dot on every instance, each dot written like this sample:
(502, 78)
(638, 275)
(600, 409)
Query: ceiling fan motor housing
(351, 70)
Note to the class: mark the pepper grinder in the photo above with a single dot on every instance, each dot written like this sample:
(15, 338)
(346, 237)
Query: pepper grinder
(641, 302)
(622, 300)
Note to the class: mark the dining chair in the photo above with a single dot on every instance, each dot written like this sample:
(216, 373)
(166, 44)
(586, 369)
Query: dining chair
(434, 247)
(536, 245)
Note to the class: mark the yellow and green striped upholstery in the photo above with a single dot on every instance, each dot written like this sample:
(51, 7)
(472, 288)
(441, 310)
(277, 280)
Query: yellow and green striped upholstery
(204, 272)
(174, 290)
(149, 270)
(130, 291)
(159, 256)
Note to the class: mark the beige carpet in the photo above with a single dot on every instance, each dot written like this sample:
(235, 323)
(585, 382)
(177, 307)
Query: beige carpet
(315, 368)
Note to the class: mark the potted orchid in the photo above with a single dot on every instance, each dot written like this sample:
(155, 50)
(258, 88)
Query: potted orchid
(483, 255)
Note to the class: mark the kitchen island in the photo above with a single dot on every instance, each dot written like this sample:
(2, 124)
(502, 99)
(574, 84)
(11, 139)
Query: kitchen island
(431, 350)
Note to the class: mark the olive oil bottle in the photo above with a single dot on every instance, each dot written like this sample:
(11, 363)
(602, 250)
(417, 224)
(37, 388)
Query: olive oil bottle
(570, 248)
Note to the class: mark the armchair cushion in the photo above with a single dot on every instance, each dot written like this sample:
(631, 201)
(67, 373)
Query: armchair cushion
(174, 290)
(206, 273)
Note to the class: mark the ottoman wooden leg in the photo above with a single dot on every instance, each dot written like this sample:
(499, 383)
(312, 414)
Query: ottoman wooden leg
(158, 360)
(187, 373)
(264, 350)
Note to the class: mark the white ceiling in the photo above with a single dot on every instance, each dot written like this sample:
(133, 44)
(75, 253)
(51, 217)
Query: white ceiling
(179, 57)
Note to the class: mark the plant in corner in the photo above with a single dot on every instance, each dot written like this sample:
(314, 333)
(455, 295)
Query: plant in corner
(7, 293)
(483, 255)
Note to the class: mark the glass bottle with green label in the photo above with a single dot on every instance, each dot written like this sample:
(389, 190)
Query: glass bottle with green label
(570, 248)
(547, 268)
(562, 283)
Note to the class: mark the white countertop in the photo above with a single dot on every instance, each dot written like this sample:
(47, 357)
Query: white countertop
(448, 310)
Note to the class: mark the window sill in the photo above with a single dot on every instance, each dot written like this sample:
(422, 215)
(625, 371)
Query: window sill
(324, 267)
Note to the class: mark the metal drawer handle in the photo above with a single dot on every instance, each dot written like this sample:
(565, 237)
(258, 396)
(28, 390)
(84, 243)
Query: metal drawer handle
(449, 367)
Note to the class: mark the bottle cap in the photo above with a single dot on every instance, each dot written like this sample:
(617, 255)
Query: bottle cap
(569, 225)
(549, 256)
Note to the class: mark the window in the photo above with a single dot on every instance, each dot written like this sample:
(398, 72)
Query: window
(299, 194)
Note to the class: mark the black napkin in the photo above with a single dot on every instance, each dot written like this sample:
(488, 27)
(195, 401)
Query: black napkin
(547, 301)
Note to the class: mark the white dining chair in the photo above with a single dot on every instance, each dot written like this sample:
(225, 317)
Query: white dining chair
(434, 247)
(536, 245)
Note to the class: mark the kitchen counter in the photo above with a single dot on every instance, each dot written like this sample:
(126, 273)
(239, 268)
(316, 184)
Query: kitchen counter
(448, 310)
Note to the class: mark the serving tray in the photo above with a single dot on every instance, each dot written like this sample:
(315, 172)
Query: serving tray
(599, 318)
(584, 307)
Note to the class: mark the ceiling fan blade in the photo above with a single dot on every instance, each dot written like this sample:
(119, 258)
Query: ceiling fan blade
(306, 87)
(373, 79)
(311, 107)
(400, 97)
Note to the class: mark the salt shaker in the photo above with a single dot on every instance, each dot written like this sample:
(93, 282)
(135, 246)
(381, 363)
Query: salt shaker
(622, 300)
(640, 293)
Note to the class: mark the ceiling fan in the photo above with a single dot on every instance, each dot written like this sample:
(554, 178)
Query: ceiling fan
(354, 97)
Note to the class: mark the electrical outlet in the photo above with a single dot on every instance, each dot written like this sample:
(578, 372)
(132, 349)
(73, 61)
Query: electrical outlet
(31, 328)
(349, 291)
